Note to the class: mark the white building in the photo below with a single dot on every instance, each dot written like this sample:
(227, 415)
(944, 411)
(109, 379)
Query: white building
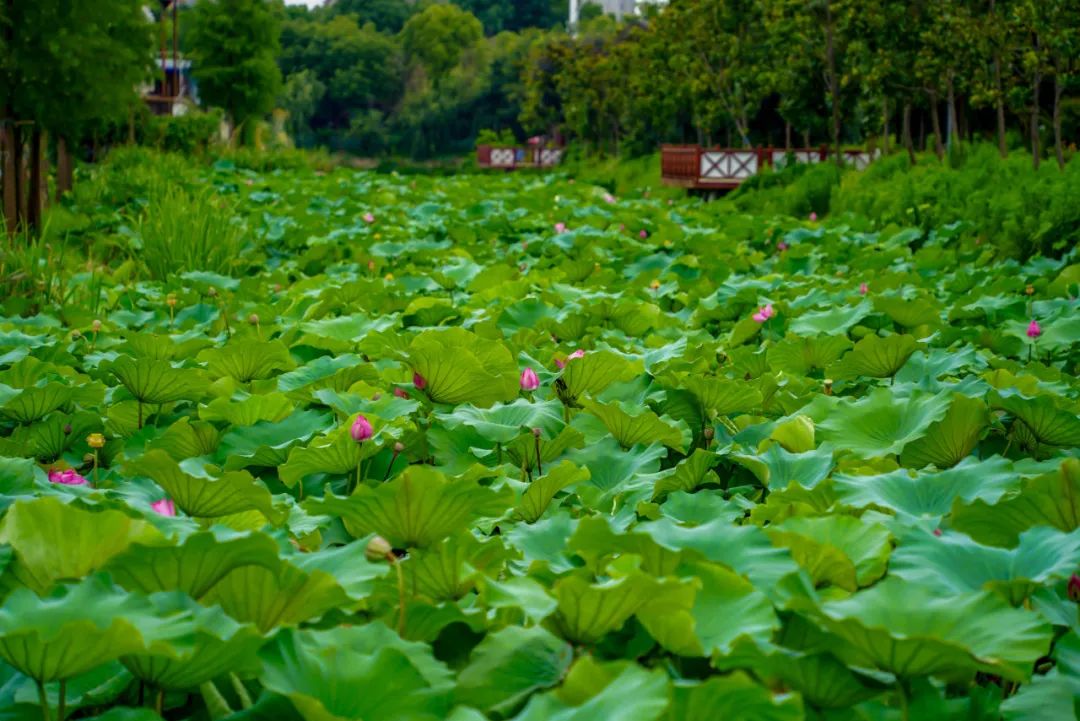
(618, 8)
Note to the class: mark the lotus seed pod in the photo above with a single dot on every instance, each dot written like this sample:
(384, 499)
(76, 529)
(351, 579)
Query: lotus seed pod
(95, 440)
(399, 447)
(253, 319)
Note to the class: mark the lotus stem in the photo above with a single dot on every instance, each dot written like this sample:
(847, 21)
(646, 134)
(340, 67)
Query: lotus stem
(393, 460)
(140, 413)
(159, 702)
(396, 563)
(43, 699)
(97, 477)
(901, 692)
(539, 466)
(61, 709)
(241, 691)
(498, 454)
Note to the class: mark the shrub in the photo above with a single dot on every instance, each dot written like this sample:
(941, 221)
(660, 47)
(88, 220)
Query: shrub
(190, 134)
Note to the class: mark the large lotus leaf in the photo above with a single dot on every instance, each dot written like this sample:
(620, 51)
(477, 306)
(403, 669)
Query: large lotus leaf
(511, 664)
(723, 397)
(688, 474)
(876, 357)
(735, 697)
(335, 453)
(34, 403)
(1042, 417)
(881, 423)
(194, 565)
(347, 564)
(247, 360)
(538, 495)
(158, 381)
(708, 613)
(417, 508)
(347, 330)
(522, 452)
(282, 596)
(338, 372)
(1054, 695)
(819, 677)
(77, 628)
(840, 550)
(631, 426)
(909, 313)
(447, 570)
(322, 673)
(502, 423)
(618, 692)
(387, 406)
(54, 541)
(595, 371)
(913, 630)
(187, 439)
(929, 494)
(954, 563)
(248, 411)
(801, 356)
(777, 469)
(267, 444)
(588, 611)
(201, 495)
(951, 439)
(1052, 499)
(459, 367)
(217, 645)
(834, 321)
(597, 544)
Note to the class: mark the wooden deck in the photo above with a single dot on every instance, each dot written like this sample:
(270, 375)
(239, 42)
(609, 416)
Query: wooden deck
(695, 167)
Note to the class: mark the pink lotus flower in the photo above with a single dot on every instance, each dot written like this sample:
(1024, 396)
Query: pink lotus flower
(534, 140)
(529, 380)
(400, 393)
(622, 227)
(863, 288)
(1033, 329)
(813, 217)
(609, 198)
(419, 381)
(67, 478)
(369, 218)
(560, 227)
(781, 246)
(165, 507)
(579, 353)
(764, 313)
(361, 429)
(937, 531)
(1073, 588)
(643, 234)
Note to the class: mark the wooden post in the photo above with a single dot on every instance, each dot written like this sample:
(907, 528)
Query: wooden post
(33, 195)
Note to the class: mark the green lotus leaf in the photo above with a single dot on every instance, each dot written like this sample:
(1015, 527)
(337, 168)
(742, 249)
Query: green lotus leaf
(839, 550)
(594, 372)
(596, 543)
(954, 563)
(347, 330)
(502, 423)
(320, 674)
(201, 495)
(881, 423)
(338, 372)
(589, 611)
(248, 411)
(347, 564)
(688, 474)
(631, 426)
(819, 677)
(538, 495)
(416, 509)
(1041, 416)
(34, 403)
(616, 692)
(267, 444)
(522, 452)
(834, 321)
(912, 630)
(447, 570)
(53, 541)
(50, 438)
(77, 628)
(17, 476)
(875, 357)
(247, 360)
(187, 439)
(802, 356)
(723, 397)
(459, 367)
(953, 438)
(388, 407)
(796, 434)
(335, 453)
(192, 566)
(277, 597)
(158, 381)
(1053, 695)
(1051, 499)
(778, 469)
(216, 645)
(511, 664)
(736, 697)
(909, 313)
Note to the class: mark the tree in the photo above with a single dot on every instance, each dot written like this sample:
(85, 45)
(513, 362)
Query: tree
(437, 37)
(234, 46)
(388, 16)
(300, 96)
(1063, 48)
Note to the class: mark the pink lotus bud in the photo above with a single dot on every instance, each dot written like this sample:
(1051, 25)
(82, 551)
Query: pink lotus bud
(369, 218)
(763, 314)
(643, 234)
(937, 532)
(609, 198)
(361, 429)
(813, 217)
(67, 478)
(781, 246)
(1074, 588)
(1033, 329)
(863, 288)
(560, 227)
(165, 507)
(560, 364)
(529, 380)
(419, 381)
(400, 393)
(579, 353)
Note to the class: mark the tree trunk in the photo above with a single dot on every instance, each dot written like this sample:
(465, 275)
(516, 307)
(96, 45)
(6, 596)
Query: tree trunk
(9, 139)
(999, 96)
(935, 125)
(885, 125)
(906, 133)
(806, 138)
(1034, 119)
(1058, 150)
(951, 88)
(787, 136)
(65, 168)
(834, 83)
(34, 192)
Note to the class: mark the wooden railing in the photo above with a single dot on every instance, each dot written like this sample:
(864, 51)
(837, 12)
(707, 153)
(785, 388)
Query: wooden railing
(692, 166)
(509, 157)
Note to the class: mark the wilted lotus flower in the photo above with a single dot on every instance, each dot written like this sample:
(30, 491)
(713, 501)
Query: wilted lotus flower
(1074, 588)
(560, 227)
(813, 217)
(863, 288)
(529, 380)
(764, 313)
(165, 507)
(67, 478)
(369, 218)
(361, 429)
(419, 381)
(1033, 329)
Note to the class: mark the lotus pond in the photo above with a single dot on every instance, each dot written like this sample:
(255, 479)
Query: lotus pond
(510, 447)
